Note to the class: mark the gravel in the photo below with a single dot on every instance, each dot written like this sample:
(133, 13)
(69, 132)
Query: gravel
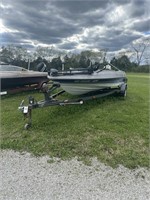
(25, 177)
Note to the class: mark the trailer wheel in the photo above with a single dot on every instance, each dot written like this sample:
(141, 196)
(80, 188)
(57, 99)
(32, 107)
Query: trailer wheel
(26, 126)
(123, 91)
(123, 94)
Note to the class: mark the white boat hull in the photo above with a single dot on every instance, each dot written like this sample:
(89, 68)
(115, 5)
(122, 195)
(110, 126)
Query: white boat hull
(83, 84)
(80, 89)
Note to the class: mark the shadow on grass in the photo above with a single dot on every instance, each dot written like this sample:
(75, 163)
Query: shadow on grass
(71, 114)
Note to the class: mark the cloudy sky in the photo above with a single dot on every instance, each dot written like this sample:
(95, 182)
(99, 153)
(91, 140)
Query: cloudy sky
(75, 24)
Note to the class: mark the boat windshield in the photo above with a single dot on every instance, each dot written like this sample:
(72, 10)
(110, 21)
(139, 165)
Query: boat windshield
(11, 68)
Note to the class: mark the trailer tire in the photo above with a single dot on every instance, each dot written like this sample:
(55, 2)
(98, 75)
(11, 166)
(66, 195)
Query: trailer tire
(26, 126)
(123, 90)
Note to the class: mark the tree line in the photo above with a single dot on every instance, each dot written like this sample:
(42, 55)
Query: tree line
(57, 59)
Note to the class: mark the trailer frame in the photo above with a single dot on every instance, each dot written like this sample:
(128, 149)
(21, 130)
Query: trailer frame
(50, 99)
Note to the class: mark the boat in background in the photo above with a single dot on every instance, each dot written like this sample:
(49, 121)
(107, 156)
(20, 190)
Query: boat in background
(14, 77)
(83, 81)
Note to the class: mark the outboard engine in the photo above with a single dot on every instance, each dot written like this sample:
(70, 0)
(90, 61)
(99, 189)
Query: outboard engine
(53, 72)
(41, 67)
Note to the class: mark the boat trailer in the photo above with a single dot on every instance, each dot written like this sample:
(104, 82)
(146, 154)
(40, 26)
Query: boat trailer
(50, 99)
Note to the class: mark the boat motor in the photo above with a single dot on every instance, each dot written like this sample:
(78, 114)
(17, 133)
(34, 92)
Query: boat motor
(41, 67)
(53, 72)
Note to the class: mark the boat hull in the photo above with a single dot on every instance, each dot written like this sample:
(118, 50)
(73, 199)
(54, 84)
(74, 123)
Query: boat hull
(12, 77)
(10, 83)
(83, 84)
(80, 88)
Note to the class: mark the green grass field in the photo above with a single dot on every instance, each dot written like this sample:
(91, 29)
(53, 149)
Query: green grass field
(114, 130)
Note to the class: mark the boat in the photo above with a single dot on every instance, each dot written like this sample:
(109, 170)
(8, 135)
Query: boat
(83, 81)
(88, 83)
(13, 77)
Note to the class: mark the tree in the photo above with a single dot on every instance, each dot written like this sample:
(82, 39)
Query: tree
(56, 63)
(83, 60)
(66, 62)
(122, 63)
(6, 53)
(89, 57)
(140, 50)
(16, 54)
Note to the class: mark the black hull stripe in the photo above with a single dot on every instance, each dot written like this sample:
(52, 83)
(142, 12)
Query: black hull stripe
(92, 81)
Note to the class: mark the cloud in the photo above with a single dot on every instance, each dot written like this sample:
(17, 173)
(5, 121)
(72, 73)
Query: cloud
(68, 45)
(80, 7)
(141, 25)
(73, 25)
(139, 8)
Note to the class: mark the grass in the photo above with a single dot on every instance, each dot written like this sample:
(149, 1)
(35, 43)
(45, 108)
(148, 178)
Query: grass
(114, 130)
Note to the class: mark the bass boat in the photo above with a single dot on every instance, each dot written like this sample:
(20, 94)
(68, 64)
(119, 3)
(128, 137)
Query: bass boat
(83, 81)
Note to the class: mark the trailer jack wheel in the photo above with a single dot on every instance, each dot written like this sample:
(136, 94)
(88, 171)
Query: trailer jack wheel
(27, 126)
(28, 116)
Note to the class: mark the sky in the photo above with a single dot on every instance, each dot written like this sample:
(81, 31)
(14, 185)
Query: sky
(74, 25)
